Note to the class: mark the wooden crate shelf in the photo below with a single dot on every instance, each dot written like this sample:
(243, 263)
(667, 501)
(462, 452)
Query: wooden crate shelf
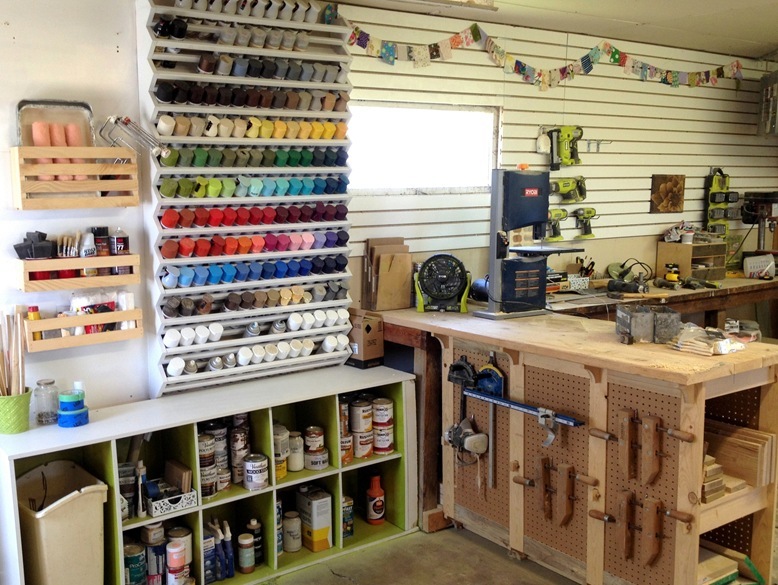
(42, 325)
(55, 264)
(30, 193)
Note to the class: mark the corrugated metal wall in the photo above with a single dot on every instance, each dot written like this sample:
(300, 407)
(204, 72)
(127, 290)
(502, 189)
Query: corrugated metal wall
(646, 128)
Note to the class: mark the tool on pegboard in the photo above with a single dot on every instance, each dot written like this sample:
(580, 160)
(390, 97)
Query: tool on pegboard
(572, 189)
(721, 204)
(652, 514)
(554, 217)
(583, 221)
(563, 145)
(563, 495)
(491, 381)
(463, 436)
(650, 453)
(547, 418)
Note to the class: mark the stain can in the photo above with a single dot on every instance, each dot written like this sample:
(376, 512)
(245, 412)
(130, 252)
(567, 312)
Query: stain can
(177, 576)
(222, 459)
(383, 440)
(346, 448)
(156, 579)
(361, 416)
(239, 438)
(152, 533)
(155, 558)
(348, 516)
(220, 434)
(240, 420)
(206, 449)
(134, 564)
(383, 412)
(363, 444)
(208, 477)
(314, 439)
(223, 479)
(317, 460)
(237, 473)
(281, 468)
(255, 472)
(343, 414)
(280, 442)
(184, 535)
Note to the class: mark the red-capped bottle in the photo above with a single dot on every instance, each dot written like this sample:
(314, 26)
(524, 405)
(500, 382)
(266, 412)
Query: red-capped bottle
(376, 501)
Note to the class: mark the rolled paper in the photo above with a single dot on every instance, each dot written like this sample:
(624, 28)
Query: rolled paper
(239, 97)
(182, 124)
(201, 216)
(215, 217)
(214, 157)
(307, 72)
(255, 187)
(258, 37)
(252, 98)
(295, 70)
(75, 137)
(306, 156)
(282, 186)
(243, 216)
(268, 157)
(342, 76)
(292, 100)
(41, 137)
(279, 100)
(255, 157)
(214, 188)
(171, 159)
(342, 102)
(168, 189)
(273, 40)
(224, 65)
(272, 10)
(212, 126)
(269, 186)
(242, 157)
(57, 136)
(242, 188)
(295, 184)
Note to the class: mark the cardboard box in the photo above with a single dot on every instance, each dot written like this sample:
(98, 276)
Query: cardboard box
(366, 339)
(386, 278)
(315, 508)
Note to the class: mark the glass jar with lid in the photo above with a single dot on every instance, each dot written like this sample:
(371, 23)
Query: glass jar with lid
(44, 403)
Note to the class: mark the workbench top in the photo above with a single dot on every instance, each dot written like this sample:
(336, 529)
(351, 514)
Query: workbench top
(587, 341)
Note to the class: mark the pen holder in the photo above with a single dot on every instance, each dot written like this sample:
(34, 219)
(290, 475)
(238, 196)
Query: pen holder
(15, 413)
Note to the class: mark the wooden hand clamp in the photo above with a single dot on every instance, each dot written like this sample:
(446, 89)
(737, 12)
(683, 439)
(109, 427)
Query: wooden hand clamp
(650, 427)
(564, 491)
(650, 528)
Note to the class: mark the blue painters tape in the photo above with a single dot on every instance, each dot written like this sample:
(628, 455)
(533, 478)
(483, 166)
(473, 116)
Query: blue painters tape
(75, 418)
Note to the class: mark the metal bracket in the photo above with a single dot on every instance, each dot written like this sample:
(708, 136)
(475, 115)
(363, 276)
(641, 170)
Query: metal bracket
(547, 420)
(597, 142)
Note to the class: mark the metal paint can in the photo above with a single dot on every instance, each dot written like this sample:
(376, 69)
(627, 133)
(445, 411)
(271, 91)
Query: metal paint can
(281, 468)
(280, 442)
(177, 576)
(255, 472)
(184, 535)
(383, 440)
(222, 459)
(314, 439)
(238, 455)
(361, 416)
(317, 460)
(346, 448)
(363, 444)
(383, 412)
(240, 420)
(223, 479)
(206, 449)
(343, 414)
(134, 564)
(155, 579)
(152, 533)
(208, 477)
(155, 558)
(219, 432)
(237, 473)
(239, 438)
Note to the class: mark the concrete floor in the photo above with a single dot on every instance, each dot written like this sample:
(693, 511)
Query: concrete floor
(448, 557)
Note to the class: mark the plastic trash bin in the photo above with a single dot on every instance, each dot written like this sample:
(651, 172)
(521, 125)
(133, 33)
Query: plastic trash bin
(61, 517)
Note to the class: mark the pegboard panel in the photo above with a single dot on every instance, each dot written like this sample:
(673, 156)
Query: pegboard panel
(471, 481)
(735, 535)
(565, 394)
(664, 487)
(738, 408)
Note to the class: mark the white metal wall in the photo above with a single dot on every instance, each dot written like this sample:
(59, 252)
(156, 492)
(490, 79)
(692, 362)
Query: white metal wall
(651, 129)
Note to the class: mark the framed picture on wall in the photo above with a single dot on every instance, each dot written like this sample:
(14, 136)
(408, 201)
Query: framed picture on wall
(667, 193)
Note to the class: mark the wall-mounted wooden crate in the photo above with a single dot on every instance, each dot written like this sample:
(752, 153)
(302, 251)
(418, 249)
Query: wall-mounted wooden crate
(28, 267)
(112, 177)
(40, 326)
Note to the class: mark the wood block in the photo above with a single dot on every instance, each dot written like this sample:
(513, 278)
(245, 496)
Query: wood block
(434, 520)
(713, 566)
(713, 484)
(709, 460)
(733, 484)
(713, 496)
(712, 471)
(739, 457)
(755, 435)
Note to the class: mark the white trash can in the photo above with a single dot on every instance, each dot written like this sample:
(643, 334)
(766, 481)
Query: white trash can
(61, 517)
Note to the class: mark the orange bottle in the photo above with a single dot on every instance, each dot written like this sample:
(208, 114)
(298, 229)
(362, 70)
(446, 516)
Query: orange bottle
(376, 501)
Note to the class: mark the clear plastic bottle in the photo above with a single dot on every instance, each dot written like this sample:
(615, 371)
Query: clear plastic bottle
(45, 403)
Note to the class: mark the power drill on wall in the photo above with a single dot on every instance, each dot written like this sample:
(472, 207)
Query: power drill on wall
(564, 146)
(583, 221)
(554, 217)
(572, 189)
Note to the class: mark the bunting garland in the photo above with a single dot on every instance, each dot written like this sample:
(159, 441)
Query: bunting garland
(604, 52)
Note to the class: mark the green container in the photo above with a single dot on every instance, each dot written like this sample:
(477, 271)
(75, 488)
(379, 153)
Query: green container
(15, 413)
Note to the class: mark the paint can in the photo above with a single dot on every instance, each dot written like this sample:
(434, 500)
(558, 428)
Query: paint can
(134, 564)
(280, 442)
(223, 479)
(361, 416)
(222, 459)
(208, 476)
(184, 535)
(220, 434)
(281, 467)
(156, 579)
(239, 438)
(346, 448)
(383, 440)
(175, 554)
(152, 533)
(240, 420)
(317, 460)
(237, 473)
(206, 449)
(156, 555)
(177, 576)
(314, 439)
(363, 444)
(383, 412)
(255, 472)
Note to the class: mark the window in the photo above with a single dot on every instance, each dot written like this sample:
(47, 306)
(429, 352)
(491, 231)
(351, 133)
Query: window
(402, 148)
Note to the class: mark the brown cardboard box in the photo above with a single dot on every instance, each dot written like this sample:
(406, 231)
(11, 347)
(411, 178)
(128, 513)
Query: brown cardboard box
(366, 338)
(387, 275)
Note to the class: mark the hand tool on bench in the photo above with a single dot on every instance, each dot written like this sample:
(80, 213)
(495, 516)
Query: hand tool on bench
(625, 295)
(491, 381)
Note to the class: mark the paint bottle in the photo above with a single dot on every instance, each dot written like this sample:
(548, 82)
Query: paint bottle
(376, 501)
(254, 527)
(119, 243)
(33, 314)
(246, 560)
(88, 250)
(103, 247)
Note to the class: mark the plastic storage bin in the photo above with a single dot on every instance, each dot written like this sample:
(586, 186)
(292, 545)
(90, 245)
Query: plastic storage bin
(61, 517)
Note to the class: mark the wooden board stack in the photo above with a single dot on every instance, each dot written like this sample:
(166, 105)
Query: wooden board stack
(742, 452)
(712, 480)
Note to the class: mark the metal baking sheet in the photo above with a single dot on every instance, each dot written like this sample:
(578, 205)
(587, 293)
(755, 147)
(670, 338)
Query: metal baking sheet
(53, 111)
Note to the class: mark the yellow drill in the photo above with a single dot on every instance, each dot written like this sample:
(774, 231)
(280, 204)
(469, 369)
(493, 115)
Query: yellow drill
(583, 221)
(554, 217)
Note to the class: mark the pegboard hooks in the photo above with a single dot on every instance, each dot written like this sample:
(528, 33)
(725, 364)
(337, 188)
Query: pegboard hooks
(597, 144)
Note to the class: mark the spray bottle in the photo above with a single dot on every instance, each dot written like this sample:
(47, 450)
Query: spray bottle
(229, 553)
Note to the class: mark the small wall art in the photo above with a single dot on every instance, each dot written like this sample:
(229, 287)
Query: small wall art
(667, 193)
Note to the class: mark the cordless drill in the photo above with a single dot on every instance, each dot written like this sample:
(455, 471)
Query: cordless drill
(572, 189)
(583, 221)
(554, 217)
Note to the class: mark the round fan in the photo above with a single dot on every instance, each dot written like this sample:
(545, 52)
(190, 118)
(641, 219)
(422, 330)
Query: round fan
(443, 278)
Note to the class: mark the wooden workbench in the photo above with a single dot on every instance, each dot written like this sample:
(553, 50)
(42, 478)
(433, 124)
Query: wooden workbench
(575, 366)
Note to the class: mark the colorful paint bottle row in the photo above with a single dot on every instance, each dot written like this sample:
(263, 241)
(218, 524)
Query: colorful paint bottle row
(245, 186)
(228, 216)
(303, 157)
